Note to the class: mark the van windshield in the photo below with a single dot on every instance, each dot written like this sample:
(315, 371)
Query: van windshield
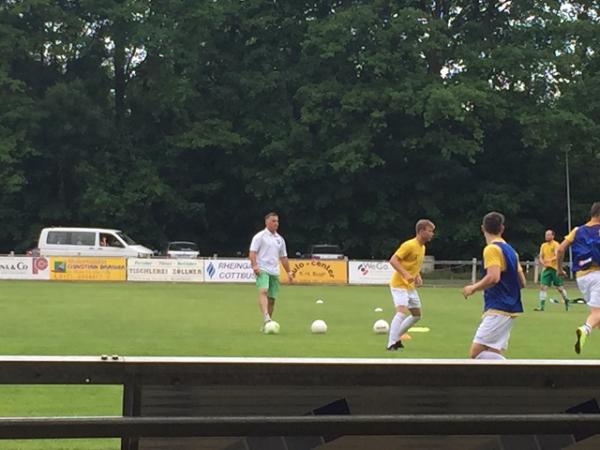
(126, 238)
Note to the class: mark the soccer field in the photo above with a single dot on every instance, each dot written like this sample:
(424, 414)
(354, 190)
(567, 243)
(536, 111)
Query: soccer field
(159, 319)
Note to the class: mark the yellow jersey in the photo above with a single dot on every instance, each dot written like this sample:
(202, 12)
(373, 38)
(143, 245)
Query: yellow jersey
(411, 254)
(548, 253)
(571, 237)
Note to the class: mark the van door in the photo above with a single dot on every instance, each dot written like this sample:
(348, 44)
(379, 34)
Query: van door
(111, 245)
(82, 243)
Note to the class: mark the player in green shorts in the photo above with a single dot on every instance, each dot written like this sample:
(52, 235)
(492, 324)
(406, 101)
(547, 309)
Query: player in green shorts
(267, 250)
(549, 276)
(269, 282)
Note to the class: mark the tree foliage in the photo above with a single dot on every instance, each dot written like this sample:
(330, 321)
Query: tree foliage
(186, 119)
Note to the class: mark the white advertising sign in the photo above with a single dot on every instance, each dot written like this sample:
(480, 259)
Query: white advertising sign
(228, 271)
(183, 270)
(369, 272)
(24, 268)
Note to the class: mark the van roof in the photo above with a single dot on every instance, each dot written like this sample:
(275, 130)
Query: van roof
(101, 230)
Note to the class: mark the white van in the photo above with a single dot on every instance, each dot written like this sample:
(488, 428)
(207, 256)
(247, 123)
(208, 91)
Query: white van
(59, 241)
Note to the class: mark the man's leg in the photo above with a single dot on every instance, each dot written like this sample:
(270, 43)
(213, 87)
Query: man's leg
(559, 284)
(542, 298)
(272, 293)
(409, 321)
(592, 321)
(394, 335)
(479, 351)
(589, 285)
(271, 306)
(262, 283)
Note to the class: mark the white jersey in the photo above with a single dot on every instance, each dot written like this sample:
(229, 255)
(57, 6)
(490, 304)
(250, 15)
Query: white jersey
(269, 247)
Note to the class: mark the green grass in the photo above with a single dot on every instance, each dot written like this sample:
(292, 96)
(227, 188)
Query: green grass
(155, 319)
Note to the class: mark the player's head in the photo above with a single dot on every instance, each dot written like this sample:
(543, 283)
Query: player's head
(272, 221)
(549, 235)
(595, 210)
(424, 229)
(493, 223)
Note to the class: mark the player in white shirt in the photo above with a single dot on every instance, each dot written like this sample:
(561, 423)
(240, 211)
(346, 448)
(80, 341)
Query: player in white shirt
(266, 250)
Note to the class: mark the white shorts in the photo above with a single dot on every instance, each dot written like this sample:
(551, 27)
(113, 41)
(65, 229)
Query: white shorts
(406, 297)
(494, 331)
(589, 285)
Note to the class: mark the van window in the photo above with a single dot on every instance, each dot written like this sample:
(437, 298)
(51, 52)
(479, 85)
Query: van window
(57, 237)
(126, 238)
(71, 238)
(110, 240)
(83, 238)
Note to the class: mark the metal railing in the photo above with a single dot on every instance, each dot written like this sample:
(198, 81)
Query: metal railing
(384, 396)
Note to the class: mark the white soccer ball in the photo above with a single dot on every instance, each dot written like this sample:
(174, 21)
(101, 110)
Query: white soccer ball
(271, 327)
(318, 327)
(381, 327)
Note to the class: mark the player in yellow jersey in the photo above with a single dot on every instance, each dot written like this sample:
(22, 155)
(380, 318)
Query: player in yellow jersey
(549, 276)
(585, 245)
(407, 261)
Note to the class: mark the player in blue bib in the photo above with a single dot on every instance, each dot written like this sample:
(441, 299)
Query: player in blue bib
(501, 285)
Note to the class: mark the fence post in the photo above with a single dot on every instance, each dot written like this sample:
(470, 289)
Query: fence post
(474, 270)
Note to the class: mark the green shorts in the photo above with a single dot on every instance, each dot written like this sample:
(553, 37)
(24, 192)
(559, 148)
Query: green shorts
(549, 277)
(265, 280)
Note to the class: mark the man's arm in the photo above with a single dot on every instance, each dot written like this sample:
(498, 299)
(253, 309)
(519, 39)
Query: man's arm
(560, 257)
(522, 280)
(252, 257)
(491, 277)
(397, 264)
(286, 265)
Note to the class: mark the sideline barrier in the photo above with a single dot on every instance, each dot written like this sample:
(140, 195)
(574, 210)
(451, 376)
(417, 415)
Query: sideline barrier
(369, 272)
(226, 401)
(165, 269)
(235, 270)
(317, 271)
(24, 268)
(231, 270)
(95, 268)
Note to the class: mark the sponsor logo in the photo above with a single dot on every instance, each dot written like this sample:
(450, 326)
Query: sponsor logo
(364, 270)
(21, 266)
(39, 264)
(211, 270)
(60, 266)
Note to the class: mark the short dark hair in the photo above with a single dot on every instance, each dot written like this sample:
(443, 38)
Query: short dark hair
(493, 222)
(271, 214)
(595, 210)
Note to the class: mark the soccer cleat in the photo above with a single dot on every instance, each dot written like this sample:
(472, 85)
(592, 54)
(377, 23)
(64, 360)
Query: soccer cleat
(262, 327)
(395, 346)
(538, 309)
(553, 300)
(581, 337)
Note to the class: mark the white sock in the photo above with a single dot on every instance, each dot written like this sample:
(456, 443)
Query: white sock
(542, 295)
(588, 329)
(407, 323)
(489, 355)
(395, 328)
(266, 317)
